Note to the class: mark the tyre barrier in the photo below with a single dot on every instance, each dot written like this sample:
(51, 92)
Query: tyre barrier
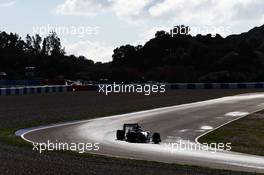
(175, 86)
(254, 85)
(34, 90)
(95, 87)
(84, 88)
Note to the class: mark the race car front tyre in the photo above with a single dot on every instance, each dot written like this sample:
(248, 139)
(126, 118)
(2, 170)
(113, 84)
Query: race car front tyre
(120, 135)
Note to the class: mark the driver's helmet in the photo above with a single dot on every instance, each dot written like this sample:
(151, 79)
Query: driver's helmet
(138, 128)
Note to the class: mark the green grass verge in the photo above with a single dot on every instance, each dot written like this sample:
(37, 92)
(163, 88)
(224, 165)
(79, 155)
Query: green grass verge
(246, 134)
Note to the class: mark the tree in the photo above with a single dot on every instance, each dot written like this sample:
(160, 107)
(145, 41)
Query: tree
(45, 47)
(160, 34)
(37, 43)
(29, 43)
(52, 45)
(124, 54)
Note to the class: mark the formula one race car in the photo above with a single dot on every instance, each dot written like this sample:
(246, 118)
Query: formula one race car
(135, 134)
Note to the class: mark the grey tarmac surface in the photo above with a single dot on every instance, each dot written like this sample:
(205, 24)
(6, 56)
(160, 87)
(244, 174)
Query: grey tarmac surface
(182, 122)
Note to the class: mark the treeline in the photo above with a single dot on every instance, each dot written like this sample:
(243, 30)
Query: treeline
(46, 54)
(183, 58)
(165, 58)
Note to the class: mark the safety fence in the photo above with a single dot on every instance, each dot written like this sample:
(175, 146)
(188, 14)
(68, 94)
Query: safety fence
(256, 85)
(27, 90)
(175, 86)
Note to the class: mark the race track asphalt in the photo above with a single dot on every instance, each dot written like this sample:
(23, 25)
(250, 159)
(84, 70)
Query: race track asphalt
(177, 124)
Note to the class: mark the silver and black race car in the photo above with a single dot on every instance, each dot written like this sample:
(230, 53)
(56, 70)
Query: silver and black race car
(135, 134)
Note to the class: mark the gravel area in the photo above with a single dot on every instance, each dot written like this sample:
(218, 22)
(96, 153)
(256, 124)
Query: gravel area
(26, 111)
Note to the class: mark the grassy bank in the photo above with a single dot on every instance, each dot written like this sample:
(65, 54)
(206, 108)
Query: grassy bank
(246, 134)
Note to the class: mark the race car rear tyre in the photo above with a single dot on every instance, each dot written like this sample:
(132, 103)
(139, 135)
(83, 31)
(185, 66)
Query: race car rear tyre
(120, 135)
(156, 138)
